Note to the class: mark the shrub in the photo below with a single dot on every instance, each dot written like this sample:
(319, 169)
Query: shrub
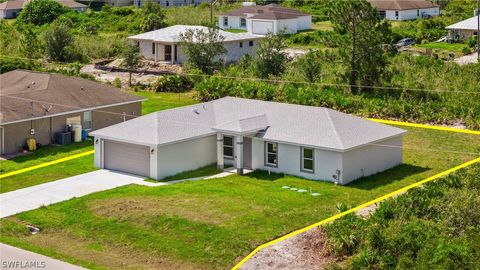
(57, 40)
(9, 64)
(172, 83)
(40, 12)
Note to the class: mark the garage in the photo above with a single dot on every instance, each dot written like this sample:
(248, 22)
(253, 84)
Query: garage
(262, 27)
(125, 157)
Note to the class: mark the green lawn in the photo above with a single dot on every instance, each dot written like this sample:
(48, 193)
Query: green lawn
(236, 30)
(211, 224)
(203, 171)
(443, 46)
(324, 26)
(163, 101)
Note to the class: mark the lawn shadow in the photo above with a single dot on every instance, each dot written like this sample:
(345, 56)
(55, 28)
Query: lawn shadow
(265, 176)
(389, 176)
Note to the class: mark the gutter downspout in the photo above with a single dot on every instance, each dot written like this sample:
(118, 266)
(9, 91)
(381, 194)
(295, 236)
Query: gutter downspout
(2, 149)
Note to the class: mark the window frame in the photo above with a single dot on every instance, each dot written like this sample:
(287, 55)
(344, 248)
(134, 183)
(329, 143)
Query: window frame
(266, 153)
(250, 43)
(154, 48)
(90, 121)
(243, 22)
(241, 44)
(225, 21)
(303, 158)
(232, 157)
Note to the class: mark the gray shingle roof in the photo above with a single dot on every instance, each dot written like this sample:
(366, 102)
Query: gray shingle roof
(401, 4)
(468, 24)
(171, 34)
(304, 125)
(268, 12)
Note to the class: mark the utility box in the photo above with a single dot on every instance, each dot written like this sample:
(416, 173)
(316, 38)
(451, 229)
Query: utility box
(63, 138)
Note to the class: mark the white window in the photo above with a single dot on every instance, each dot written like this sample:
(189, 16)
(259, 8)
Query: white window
(225, 21)
(87, 120)
(228, 150)
(308, 158)
(243, 22)
(271, 154)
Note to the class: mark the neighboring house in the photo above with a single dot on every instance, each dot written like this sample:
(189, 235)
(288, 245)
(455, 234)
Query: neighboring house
(261, 20)
(402, 10)
(171, 3)
(163, 44)
(11, 9)
(39, 105)
(463, 30)
(311, 142)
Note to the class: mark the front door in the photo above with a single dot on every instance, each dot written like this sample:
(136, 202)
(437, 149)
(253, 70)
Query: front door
(168, 52)
(247, 153)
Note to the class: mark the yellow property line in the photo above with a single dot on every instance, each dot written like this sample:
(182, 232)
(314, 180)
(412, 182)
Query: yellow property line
(337, 216)
(391, 122)
(46, 164)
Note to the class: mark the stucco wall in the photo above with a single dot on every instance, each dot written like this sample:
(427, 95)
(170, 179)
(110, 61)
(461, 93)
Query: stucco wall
(288, 26)
(371, 159)
(16, 134)
(304, 23)
(289, 161)
(9, 14)
(411, 14)
(145, 48)
(233, 22)
(186, 156)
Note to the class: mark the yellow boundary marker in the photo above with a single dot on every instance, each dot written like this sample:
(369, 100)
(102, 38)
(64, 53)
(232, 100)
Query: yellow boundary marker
(46, 164)
(398, 123)
(379, 199)
(337, 216)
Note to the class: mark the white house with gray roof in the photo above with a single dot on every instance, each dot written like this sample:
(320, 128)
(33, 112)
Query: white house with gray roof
(311, 142)
(162, 45)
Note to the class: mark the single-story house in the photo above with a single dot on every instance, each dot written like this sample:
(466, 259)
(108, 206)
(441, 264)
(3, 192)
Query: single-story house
(311, 142)
(402, 10)
(261, 20)
(463, 30)
(11, 9)
(38, 105)
(171, 3)
(163, 44)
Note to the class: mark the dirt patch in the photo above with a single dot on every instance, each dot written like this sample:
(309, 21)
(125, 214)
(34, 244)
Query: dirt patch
(106, 255)
(215, 211)
(305, 251)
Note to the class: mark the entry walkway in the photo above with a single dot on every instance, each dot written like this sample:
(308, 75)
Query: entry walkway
(61, 190)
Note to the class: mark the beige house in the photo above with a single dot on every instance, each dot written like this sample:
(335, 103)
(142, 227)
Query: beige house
(463, 30)
(163, 45)
(40, 105)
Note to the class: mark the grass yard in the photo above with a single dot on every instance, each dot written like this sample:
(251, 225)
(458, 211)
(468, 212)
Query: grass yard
(324, 26)
(163, 101)
(211, 224)
(443, 46)
(200, 172)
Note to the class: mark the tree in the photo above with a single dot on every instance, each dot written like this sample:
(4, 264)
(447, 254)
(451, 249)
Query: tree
(369, 35)
(131, 59)
(202, 49)
(270, 58)
(154, 16)
(39, 12)
(29, 43)
(57, 40)
(310, 66)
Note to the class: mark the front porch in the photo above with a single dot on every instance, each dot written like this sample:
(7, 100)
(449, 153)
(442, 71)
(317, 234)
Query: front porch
(166, 53)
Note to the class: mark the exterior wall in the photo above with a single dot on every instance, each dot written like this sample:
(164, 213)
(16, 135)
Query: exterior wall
(170, 3)
(404, 15)
(460, 35)
(289, 26)
(145, 48)
(254, 28)
(233, 22)
(119, 3)
(289, 161)
(9, 13)
(371, 159)
(304, 23)
(16, 134)
(185, 156)
(234, 52)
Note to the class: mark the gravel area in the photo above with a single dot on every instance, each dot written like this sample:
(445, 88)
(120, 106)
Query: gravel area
(304, 251)
(467, 59)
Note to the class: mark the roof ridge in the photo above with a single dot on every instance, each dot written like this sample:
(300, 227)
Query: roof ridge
(337, 136)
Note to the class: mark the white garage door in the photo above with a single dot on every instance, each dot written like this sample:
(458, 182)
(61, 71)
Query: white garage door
(262, 28)
(129, 158)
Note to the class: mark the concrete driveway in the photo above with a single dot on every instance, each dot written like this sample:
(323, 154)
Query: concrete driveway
(15, 258)
(61, 190)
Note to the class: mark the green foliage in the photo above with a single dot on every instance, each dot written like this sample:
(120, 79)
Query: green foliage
(131, 57)
(433, 227)
(203, 49)
(154, 17)
(318, 38)
(40, 12)
(270, 59)
(58, 40)
(8, 64)
(172, 83)
(310, 66)
(366, 52)
(30, 44)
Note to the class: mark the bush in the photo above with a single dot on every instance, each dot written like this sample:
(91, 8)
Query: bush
(172, 83)
(58, 39)
(9, 64)
(40, 12)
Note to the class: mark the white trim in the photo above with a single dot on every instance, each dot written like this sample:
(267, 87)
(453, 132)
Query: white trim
(2, 149)
(75, 111)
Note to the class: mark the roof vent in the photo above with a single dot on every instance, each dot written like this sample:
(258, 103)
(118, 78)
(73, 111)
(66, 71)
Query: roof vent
(196, 111)
(81, 88)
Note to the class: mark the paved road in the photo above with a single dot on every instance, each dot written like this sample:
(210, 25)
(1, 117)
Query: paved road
(15, 258)
(61, 190)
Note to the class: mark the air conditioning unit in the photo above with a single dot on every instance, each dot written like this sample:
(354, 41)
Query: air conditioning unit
(249, 4)
(63, 138)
